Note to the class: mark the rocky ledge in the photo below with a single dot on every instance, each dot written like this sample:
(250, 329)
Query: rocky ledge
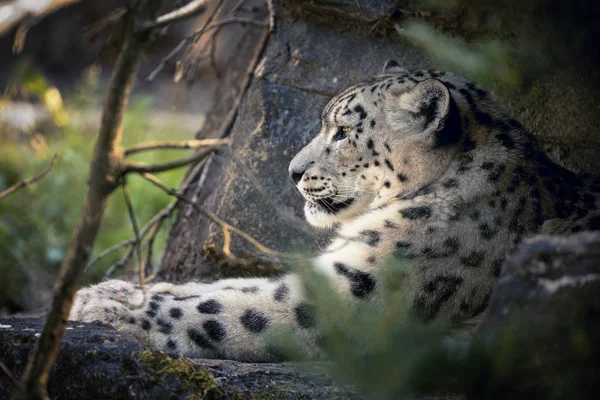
(97, 362)
(541, 336)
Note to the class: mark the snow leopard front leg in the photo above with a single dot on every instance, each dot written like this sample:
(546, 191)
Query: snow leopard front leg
(226, 319)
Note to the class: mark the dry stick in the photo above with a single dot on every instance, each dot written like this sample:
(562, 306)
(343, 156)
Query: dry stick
(216, 12)
(122, 262)
(298, 223)
(144, 231)
(213, 41)
(232, 116)
(193, 38)
(173, 53)
(28, 182)
(8, 373)
(156, 182)
(136, 232)
(108, 251)
(161, 215)
(178, 145)
(189, 10)
(141, 168)
(271, 15)
(104, 179)
(150, 246)
(224, 132)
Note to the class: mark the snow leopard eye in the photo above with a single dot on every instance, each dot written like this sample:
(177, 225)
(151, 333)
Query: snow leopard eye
(341, 133)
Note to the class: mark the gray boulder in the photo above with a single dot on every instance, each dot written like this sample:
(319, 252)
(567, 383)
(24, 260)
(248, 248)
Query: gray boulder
(319, 48)
(540, 338)
(542, 326)
(97, 362)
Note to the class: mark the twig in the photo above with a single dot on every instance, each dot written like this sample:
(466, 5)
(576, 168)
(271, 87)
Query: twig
(180, 145)
(296, 222)
(28, 182)
(108, 251)
(136, 231)
(248, 77)
(9, 373)
(150, 245)
(194, 37)
(271, 9)
(121, 264)
(224, 225)
(161, 215)
(182, 44)
(189, 10)
(213, 45)
(142, 168)
(144, 231)
(103, 180)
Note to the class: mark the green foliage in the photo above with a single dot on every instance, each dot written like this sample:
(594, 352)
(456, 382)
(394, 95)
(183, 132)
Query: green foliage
(389, 353)
(489, 61)
(191, 380)
(380, 346)
(507, 43)
(38, 221)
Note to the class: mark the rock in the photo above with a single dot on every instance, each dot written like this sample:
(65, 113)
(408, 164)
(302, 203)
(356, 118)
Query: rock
(540, 338)
(278, 116)
(543, 321)
(319, 48)
(97, 362)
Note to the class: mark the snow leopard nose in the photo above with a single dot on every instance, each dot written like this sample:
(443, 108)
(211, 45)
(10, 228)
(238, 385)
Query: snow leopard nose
(296, 175)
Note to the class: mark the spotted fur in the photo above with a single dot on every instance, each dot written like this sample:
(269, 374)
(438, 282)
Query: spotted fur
(422, 166)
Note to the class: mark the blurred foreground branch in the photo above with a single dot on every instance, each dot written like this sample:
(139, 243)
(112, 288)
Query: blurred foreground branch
(227, 228)
(28, 182)
(13, 11)
(195, 37)
(103, 181)
(189, 144)
(189, 10)
(108, 170)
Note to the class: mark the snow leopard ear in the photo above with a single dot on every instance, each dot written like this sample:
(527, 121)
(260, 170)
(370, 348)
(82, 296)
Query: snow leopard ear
(392, 67)
(432, 109)
(429, 99)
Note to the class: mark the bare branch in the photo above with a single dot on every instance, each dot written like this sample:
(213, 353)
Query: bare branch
(188, 41)
(28, 182)
(248, 77)
(189, 10)
(141, 168)
(165, 213)
(271, 15)
(136, 232)
(194, 37)
(8, 373)
(180, 145)
(103, 180)
(150, 244)
(122, 262)
(161, 215)
(224, 225)
(108, 251)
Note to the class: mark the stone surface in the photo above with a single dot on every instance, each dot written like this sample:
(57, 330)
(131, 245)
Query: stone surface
(97, 362)
(543, 321)
(539, 339)
(319, 48)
